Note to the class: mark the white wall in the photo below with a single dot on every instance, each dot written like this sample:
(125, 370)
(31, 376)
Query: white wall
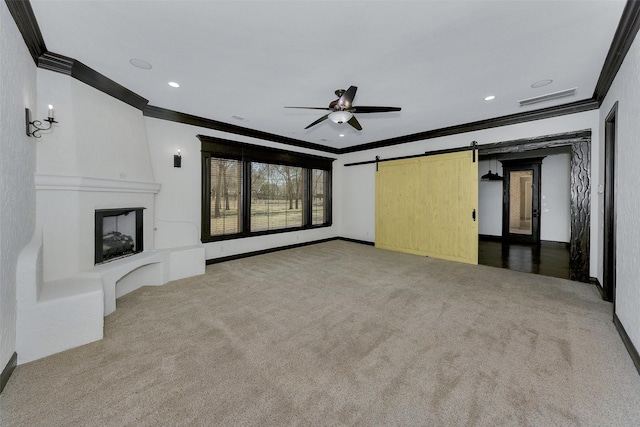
(555, 215)
(96, 157)
(17, 165)
(626, 91)
(358, 182)
(177, 215)
(98, 136)
(177, 220)
(490, 199)
(555, 220)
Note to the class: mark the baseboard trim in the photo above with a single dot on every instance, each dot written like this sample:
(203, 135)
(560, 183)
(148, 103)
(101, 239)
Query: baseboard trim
(266, 251)
(489, 238)
(492, 238)
(362, 242)
(555, 243)
(284, 248)
(633, 352)
(8, 370)
(594, 281)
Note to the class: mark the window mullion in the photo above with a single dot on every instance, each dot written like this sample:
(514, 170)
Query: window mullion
(328, 199)
(246, 197)
(205, 232)
(307, 198)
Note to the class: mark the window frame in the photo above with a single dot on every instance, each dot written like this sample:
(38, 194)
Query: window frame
(247, 154)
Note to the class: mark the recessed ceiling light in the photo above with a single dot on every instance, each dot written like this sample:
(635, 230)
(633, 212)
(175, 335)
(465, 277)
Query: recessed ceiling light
(341, 135)
(490, 97)
(542, 83)
(174, 84)
(140, 64)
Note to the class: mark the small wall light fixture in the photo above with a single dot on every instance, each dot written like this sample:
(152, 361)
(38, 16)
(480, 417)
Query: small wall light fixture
(37, 123)
(177, 160)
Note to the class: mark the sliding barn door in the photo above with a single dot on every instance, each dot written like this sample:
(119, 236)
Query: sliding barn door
(428, 206)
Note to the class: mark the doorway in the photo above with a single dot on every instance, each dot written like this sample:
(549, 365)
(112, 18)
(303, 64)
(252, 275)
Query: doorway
(609, 256)
(579, 143)
(521, 200)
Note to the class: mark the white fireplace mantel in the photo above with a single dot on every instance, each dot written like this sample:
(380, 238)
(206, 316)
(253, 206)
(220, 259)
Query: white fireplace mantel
(84, 183)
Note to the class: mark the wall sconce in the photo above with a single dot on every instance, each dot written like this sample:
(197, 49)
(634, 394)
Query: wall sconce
(37, 123)
(177, 160)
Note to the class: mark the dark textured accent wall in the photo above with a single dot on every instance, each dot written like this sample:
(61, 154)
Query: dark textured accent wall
(580, 210)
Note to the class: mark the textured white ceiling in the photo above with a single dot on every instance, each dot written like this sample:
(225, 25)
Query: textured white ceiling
(435, 59)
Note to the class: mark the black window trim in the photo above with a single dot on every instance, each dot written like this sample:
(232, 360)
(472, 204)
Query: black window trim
(212, 147)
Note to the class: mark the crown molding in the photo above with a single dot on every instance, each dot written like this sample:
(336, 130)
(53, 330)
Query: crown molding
(175, 116)
(63, 64)
(57, 63)
(512, 119)
(25, 19)
(620, 45)
(104, 84)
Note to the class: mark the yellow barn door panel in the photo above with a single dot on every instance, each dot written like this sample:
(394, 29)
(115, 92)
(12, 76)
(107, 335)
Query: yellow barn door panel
(397, 224)
(426, 206)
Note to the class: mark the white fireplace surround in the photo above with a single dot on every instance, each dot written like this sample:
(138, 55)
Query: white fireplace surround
(66, 208)
(62, 295)
(84, 183)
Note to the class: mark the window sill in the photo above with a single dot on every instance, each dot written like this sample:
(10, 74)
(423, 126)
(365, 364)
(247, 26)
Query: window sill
(261, 233)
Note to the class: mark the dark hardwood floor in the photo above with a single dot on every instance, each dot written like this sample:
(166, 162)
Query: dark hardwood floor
(547, 258)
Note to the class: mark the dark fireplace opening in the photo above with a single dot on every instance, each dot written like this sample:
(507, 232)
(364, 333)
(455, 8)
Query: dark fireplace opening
(118, 233)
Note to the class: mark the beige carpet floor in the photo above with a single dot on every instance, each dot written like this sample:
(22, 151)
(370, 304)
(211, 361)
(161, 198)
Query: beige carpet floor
(341, 334)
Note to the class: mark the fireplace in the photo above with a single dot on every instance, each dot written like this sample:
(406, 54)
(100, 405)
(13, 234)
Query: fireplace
(118, 233)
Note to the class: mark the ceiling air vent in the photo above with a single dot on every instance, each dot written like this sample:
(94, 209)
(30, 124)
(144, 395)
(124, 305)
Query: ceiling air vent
(548, 97)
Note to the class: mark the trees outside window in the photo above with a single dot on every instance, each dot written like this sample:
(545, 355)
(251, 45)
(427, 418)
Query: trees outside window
(318, 205)
(226, 187)
(250, 190)
(276, 193)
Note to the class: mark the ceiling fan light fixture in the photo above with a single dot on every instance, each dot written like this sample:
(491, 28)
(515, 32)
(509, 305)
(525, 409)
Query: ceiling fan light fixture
(340, 116)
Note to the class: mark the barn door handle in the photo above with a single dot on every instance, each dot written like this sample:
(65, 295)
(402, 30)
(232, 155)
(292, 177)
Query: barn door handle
(473, 214)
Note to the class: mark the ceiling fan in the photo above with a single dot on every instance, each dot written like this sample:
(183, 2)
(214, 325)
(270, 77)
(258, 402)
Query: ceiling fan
(342, 109)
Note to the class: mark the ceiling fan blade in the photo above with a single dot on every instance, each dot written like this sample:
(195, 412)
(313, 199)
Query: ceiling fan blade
(321, 119)
(313, 108)
(365, 109)
(346, 99)
(355, 123)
